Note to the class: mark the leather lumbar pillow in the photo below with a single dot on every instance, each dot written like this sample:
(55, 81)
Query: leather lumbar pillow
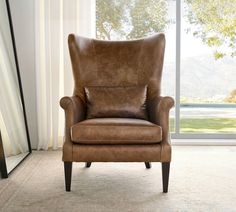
(118, 102)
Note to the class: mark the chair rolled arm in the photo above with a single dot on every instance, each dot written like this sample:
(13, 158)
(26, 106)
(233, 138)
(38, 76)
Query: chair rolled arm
(65, 101)
(159, 109)
(74, 112)
(165, 103)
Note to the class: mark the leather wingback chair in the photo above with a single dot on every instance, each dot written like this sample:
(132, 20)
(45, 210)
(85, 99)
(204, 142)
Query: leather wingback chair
(116, 113)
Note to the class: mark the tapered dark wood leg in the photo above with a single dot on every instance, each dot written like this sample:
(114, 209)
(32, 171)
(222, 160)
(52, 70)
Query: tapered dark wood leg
(88, 164)
(165, 176)
(148, 165)
(68, 171)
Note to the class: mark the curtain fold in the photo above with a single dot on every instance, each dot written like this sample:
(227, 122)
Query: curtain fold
(55, 20)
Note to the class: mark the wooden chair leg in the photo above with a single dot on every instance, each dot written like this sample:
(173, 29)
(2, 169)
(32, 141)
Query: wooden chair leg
(68, 171)
(165, 176)
(88, 164)
(148, 165)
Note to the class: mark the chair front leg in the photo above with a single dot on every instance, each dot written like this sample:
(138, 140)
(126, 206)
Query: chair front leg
(165, 176)
(68, 172)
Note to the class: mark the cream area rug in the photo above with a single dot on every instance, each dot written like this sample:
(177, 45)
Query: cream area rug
(201, 179)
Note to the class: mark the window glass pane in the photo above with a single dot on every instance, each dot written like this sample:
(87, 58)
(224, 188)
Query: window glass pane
(131, 19)
(208, 65)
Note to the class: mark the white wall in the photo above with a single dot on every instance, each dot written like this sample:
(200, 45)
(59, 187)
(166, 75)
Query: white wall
(22, 13)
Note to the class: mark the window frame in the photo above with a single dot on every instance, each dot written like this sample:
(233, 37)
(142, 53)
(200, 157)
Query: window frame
(177, 134)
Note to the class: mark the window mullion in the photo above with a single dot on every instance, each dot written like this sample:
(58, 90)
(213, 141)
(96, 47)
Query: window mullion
(177, 76)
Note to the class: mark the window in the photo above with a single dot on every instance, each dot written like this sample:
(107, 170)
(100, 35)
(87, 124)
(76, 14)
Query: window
(208, 79)
(199, 59)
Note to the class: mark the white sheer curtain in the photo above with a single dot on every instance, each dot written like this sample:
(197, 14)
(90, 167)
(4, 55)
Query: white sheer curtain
(12, 123)
(55, 19)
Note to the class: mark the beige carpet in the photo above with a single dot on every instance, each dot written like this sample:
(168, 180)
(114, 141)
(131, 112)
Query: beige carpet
(202, 179)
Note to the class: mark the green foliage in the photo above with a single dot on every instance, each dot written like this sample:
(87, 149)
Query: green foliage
(218, 55)
(215, 22)
(129, 19)
(232, 97)
(109, 18)
(147, 17)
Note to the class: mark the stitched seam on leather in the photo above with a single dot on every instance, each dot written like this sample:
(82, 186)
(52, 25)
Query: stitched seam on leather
(95, 55)
(123, 140)
(72, 151)
(139, 62)
(161, 152)
(123, 125)
(79, 69)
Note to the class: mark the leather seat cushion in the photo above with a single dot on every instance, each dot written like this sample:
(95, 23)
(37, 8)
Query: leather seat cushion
(116, 131)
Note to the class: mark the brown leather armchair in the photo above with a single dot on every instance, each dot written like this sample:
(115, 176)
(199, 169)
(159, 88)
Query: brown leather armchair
(116, 113)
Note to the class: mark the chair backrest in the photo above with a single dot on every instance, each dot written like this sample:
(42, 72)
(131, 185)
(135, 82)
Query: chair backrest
(117, 63)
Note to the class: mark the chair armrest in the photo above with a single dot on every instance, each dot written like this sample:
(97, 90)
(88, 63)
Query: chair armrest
(74, 112)
(158, 110)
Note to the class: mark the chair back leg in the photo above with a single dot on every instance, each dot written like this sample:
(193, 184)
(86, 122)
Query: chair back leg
(88, 164)
(165, 176)
(148, 165)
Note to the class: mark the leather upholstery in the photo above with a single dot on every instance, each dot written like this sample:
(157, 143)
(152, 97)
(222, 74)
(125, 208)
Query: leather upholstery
(74, 113)
(117, 153)
(117, 63)
(116, 131)
(159, 109)
(115, 102)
